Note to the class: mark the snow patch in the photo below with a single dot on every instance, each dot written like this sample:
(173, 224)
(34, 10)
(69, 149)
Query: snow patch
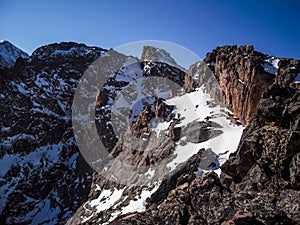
(139, 204)
(150, 173)
(85, 219)
(136, 205)
(241, 81)
(193, 107)
(297, 79)
(64, 52)
(20, 87)
(106, 199)
(271, 65)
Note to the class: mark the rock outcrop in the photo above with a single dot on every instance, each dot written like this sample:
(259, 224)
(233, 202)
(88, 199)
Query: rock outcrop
(241, 77)
(266, 159)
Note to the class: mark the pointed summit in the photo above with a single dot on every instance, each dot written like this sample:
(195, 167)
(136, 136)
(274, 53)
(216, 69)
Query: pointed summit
(9, 54)
(154, 54)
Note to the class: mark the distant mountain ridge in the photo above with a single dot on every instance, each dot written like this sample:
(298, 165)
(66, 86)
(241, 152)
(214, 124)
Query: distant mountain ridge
(154, 54)
(9, 53)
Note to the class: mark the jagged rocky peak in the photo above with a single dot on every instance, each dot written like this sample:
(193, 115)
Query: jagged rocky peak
(154, 54)
(9, 54)
(67, 49)
(243, 75)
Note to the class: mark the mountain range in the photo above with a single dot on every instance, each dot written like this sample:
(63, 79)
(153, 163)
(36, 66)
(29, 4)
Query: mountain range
(217, 143)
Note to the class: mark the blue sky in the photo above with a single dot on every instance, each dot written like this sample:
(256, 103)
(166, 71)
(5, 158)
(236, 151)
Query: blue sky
(271, 26)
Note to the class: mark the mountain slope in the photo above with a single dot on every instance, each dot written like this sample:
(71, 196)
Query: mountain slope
(259, 183)
(41, 181)
(9, 54)
(180, 199)
(167, 133)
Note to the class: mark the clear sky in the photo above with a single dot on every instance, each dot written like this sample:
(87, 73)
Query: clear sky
(272, 27)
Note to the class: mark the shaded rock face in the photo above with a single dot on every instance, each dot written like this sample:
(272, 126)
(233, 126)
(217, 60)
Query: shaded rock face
(43, 179)
(267, 159)
(205, 201)
(201, 131)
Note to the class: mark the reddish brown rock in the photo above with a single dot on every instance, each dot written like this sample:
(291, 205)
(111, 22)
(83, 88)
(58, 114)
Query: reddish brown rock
(241, 77)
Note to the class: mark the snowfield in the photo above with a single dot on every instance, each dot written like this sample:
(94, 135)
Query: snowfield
(191, 107)
(271, 65)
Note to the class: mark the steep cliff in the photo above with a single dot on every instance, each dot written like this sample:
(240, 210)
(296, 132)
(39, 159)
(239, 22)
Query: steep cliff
(243, 76)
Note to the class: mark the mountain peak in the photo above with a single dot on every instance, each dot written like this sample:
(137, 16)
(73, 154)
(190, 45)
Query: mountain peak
(67, 49)
(9, 54)
(155, 54)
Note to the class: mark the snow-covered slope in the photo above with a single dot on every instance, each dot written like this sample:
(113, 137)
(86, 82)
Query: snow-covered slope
(144, 108)
(9, 54)
(40, 182)
(163, 129)
(297, 79)
(196, 107)
(203, 133)
(271, 65)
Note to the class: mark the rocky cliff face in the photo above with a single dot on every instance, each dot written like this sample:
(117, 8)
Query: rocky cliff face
(267, 159)
(243, 76)
(170, 144)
